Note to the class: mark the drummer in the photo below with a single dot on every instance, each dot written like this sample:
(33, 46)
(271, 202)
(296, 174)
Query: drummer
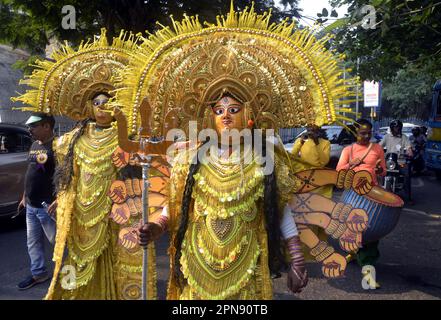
(369, 156)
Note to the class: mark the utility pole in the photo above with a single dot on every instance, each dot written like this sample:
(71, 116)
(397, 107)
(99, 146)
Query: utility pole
(356, 103)
(344, 81)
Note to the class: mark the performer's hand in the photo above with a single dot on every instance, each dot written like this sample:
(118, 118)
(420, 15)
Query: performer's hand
(297, 278)
(297, 275)
(149, 232)
(362, 182)
(315, 137)
(350, 241)
(357, 220)
(118, 114)
(52, 209)
(354, 162)
(334, 265)
(22, 204)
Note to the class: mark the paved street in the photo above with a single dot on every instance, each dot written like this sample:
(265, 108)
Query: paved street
(409, 267)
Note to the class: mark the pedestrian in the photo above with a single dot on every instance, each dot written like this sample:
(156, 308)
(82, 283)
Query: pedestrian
(38, 197)
(368, 156)
(418, 140)
(313, 152)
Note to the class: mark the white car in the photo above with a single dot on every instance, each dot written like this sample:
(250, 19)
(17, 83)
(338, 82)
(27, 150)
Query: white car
(407, 129)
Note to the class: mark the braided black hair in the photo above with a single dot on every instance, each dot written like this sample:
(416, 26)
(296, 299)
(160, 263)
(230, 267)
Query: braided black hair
(276, 261)
(185, 209)
(64, 171)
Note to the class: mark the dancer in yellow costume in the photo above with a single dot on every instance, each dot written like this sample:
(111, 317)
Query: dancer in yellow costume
(103, 260)
(228, 220)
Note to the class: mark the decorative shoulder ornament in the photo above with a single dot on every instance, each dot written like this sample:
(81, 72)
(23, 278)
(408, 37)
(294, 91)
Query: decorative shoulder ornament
(283, 75)
(65, 84)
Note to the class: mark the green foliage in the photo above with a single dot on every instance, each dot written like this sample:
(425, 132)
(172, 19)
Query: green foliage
(403, 49)
(29, 24)
(405, 32)
(26, 65)
(19, 29)
(409, 92)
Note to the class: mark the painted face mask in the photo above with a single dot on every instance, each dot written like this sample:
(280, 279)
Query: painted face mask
(102, 118)
(228, 115)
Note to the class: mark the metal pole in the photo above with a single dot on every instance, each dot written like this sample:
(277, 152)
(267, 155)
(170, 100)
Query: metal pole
(145, 218)
(356, 103)
(344, 81)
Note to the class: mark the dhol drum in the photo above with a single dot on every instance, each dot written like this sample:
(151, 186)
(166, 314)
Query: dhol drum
(382, 207)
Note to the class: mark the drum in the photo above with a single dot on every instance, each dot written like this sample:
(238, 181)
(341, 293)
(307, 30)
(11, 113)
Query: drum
(382, 207)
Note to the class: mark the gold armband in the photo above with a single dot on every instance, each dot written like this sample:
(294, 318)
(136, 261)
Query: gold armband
(322, 251)
(332, 227)
(341, 212)
(344, 179)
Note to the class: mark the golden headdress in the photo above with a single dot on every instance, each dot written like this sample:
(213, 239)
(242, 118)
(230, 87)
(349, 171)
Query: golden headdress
(65, 84)
(286, 76)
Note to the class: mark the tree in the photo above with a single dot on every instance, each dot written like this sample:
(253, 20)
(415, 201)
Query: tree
(30, 24)
(409, 93)
(404, 32)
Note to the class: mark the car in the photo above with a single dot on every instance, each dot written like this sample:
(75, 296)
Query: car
(338, 136)
(15, 142)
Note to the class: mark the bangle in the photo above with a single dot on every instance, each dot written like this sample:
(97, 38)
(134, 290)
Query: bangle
(345, 178)
(294, 247)
(336, 211)
(341, 178)
(332, 227)
(341, 212)
(162, 222)
(340, 230)
(344, 213)
(325, 254)
(321, 251)
(319, 248)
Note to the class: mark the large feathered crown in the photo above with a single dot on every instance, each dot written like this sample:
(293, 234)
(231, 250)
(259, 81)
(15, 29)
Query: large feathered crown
(286, 75)
(64, 84)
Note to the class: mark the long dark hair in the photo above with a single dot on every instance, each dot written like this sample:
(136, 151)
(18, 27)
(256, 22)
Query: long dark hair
(64, 170)
(276, 261)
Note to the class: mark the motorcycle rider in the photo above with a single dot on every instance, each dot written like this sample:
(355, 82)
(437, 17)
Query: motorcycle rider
(399, 143)
(396, 141)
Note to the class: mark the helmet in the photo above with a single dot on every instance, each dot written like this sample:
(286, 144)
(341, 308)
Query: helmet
(396, 123)
(416, 130)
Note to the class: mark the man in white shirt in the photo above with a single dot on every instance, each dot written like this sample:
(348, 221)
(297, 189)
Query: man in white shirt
(399, 143)
(396, 142)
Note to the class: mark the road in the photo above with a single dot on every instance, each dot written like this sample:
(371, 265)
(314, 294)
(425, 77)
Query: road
(409, 267)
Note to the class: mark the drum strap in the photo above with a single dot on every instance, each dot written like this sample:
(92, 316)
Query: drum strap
(362, 158)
